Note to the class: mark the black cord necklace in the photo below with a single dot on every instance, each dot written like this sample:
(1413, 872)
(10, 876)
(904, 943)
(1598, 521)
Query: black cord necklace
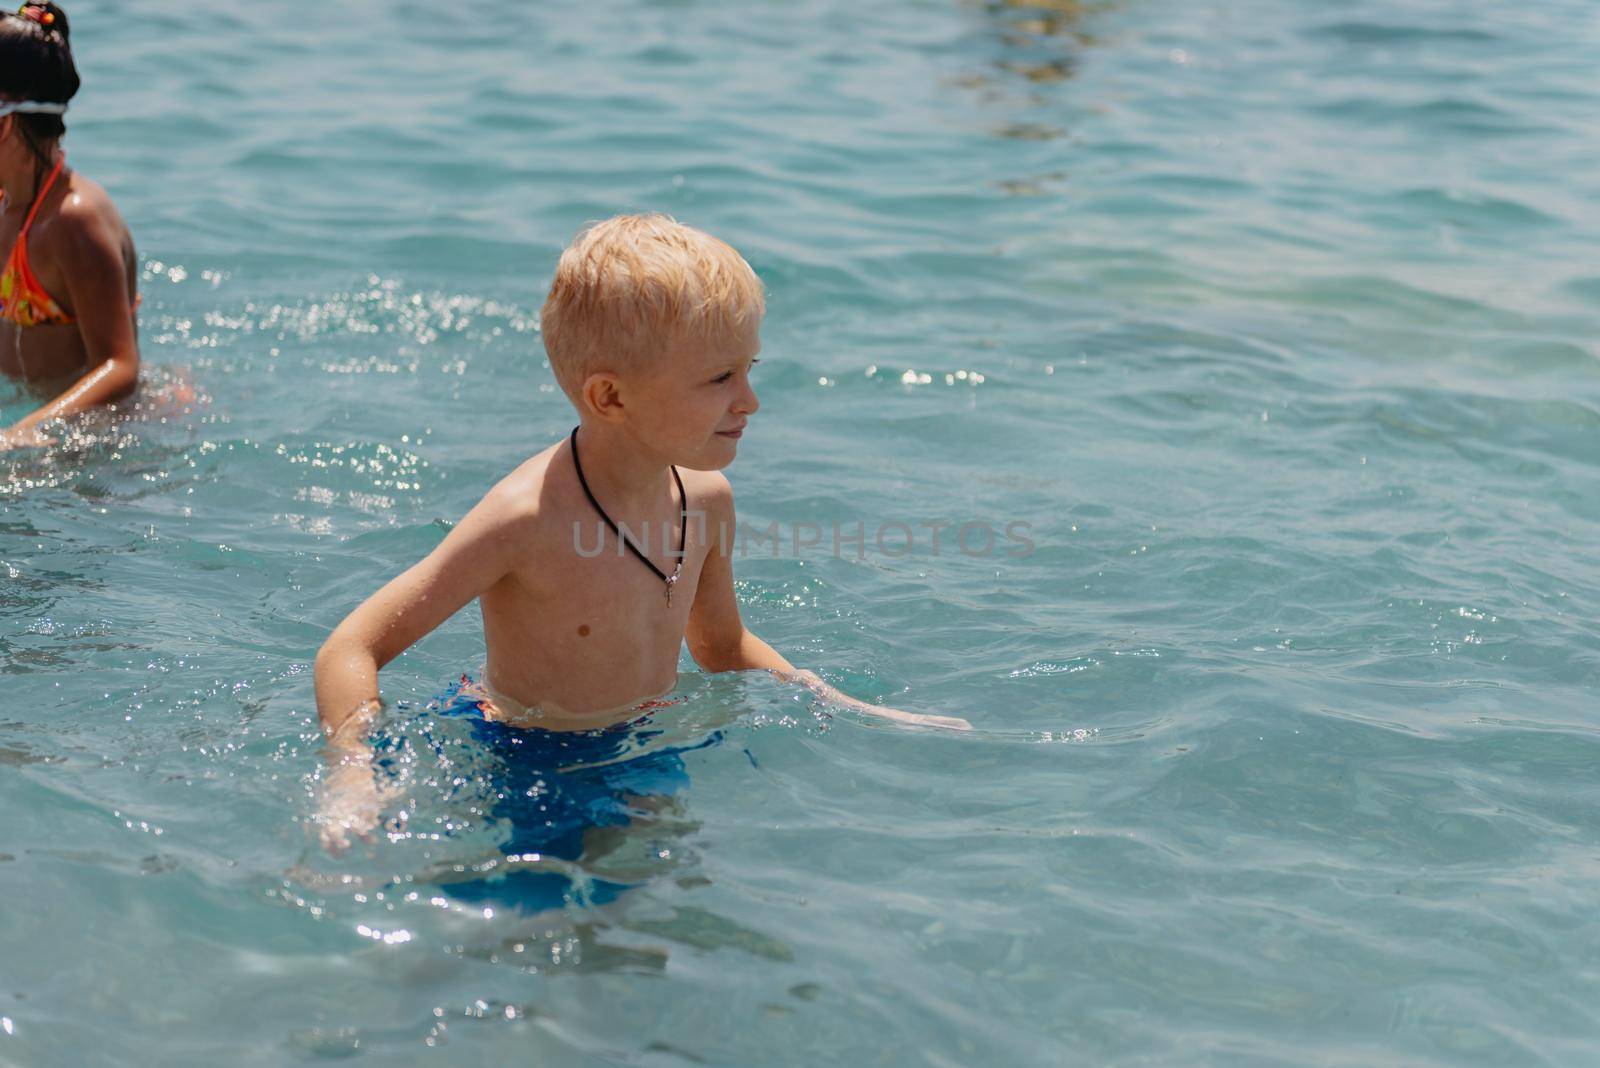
(683, 522)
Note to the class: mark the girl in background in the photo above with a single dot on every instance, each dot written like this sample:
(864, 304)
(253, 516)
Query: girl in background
(69, 277)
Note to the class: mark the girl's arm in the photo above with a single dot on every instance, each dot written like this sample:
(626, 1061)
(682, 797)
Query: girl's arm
(96, 281)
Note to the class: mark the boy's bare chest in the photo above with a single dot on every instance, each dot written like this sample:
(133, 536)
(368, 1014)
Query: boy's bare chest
(587, 624)
(618, 593)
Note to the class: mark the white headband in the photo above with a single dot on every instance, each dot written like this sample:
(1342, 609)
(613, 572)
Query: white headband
(32, 107)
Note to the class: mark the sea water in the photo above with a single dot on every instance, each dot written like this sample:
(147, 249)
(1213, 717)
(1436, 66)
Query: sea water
(1260, 337)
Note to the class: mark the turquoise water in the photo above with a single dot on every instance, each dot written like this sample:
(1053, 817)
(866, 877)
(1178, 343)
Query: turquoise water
(1276, 321)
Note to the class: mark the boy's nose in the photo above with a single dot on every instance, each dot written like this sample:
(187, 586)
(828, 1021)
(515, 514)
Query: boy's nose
(749, 403)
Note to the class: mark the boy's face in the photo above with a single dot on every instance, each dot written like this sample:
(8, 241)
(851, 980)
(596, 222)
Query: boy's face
(694, 404)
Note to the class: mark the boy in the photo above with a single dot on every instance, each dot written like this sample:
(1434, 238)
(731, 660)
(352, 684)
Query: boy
(651, 328)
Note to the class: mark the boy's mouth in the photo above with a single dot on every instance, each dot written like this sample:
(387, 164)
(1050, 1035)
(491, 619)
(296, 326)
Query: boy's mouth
(736, 432)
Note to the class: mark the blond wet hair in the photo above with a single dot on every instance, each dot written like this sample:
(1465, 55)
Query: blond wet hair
(630, 288)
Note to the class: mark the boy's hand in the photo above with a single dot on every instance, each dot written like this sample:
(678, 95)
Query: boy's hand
(814, 682)
(352, 802)
(917, 719)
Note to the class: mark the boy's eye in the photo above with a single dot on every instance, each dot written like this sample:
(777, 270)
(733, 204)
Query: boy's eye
(724, 376)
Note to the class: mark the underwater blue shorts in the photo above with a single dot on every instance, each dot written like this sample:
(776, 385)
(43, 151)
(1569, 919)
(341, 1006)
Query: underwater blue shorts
(549, 803)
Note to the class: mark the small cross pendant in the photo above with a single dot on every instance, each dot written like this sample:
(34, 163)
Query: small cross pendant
(672, 580)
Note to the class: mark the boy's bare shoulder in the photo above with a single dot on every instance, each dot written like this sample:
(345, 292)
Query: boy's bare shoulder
(522, 502)
(710, 491)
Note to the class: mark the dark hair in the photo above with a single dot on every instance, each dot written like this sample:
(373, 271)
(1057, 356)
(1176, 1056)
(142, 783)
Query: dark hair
(36, 64)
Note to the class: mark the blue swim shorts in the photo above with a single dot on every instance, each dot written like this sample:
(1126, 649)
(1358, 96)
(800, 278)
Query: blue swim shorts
(549, 787)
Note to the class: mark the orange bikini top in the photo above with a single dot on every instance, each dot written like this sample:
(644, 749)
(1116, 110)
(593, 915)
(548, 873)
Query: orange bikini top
(22, 299)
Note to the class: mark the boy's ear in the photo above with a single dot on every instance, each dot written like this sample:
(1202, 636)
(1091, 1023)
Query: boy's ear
(602, 395)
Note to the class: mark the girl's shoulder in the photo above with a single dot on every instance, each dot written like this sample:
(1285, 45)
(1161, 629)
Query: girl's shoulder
(83, 219)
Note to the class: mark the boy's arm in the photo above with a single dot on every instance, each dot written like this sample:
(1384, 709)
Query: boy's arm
(718, 640)
(473, 557)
